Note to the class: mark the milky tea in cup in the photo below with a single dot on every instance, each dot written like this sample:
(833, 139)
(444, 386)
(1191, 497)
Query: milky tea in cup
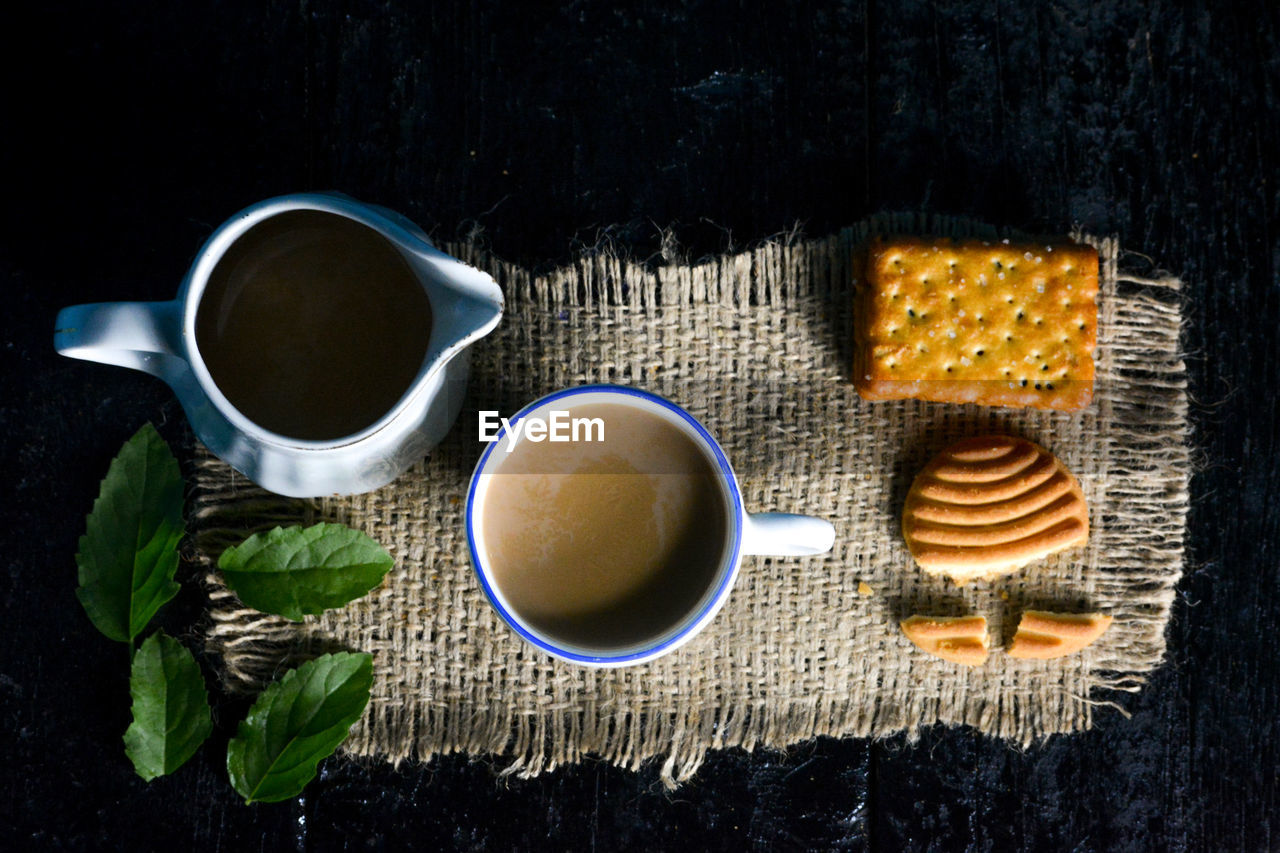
(609, 541)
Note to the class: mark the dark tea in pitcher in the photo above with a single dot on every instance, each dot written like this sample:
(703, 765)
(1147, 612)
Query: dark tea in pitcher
(313, 325)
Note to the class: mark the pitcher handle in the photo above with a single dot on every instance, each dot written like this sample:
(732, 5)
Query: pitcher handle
(146, 336)
(784, 534)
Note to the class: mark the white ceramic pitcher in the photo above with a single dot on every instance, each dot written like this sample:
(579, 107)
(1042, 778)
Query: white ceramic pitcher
(159, 338)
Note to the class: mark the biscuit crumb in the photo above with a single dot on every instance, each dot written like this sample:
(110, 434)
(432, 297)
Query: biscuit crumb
(865, 590)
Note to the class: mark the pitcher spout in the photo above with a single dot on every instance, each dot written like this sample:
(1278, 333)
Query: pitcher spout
(478, 312)
(466, 304)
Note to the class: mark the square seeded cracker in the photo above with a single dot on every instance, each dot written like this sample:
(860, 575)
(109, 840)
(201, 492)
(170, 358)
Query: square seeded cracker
(994, 323)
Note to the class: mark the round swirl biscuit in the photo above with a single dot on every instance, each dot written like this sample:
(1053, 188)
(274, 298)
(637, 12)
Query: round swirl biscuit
(990, 505)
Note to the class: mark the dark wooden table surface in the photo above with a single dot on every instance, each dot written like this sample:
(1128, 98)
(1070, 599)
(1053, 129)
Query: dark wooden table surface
(130, 132)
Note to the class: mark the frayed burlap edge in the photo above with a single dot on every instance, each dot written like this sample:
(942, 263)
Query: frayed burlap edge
(1142, 393)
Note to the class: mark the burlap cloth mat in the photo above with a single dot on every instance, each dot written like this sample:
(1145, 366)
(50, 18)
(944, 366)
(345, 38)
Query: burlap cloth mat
(756, 345)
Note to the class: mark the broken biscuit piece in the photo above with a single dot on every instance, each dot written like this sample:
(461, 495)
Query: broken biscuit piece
(959, 639)
(993, 323)
(989, 505)
(1042, 635)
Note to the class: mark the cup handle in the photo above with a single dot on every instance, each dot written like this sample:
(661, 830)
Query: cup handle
(145, 336)
(784, 534)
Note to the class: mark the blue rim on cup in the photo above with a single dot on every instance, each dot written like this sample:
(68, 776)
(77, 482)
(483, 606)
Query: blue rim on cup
(772, 533)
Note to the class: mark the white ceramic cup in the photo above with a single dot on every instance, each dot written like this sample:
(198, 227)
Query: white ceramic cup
(777, 534)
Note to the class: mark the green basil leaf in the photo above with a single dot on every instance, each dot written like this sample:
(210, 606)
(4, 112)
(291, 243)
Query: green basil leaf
(171, 715)
(129, 551)
(295, 723)
(298, 571)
